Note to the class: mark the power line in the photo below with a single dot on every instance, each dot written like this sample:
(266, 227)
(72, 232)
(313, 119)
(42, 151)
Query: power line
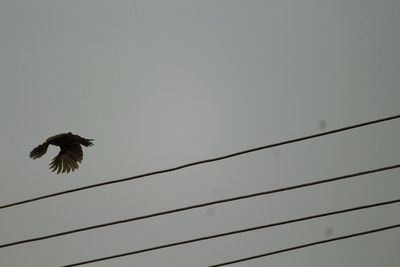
(200, 162)
(240, 231)
(263, 193)
(308, 245)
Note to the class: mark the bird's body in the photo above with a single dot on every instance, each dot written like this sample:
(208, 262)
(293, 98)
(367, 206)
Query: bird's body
(70, 151)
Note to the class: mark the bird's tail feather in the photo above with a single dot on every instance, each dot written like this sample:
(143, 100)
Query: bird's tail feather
(39, 151)
(86, 142)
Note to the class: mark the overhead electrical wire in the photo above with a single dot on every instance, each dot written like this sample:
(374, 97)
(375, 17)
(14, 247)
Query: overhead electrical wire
(306, 245)
(201, 161)
(253, 229)
(263, 193)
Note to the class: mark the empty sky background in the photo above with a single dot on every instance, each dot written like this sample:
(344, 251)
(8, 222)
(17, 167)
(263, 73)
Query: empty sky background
(163, 83)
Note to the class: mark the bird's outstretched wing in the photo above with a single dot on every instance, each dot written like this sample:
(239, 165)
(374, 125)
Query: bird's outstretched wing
(68, 158)
(39, 151)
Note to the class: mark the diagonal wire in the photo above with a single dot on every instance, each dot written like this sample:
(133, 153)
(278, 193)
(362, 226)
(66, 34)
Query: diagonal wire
(200, 162)
(234, 232)
(348, 176)
(308, 245)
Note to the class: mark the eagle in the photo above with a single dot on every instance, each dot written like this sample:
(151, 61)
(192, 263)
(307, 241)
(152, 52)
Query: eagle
(70, 151)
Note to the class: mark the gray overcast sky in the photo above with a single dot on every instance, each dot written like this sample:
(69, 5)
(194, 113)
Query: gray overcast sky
(163, 83)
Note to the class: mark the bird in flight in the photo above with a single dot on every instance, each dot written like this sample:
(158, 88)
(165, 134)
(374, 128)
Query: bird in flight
(70, 151)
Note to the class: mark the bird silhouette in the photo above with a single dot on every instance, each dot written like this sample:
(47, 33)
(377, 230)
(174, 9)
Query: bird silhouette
(70, 151)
